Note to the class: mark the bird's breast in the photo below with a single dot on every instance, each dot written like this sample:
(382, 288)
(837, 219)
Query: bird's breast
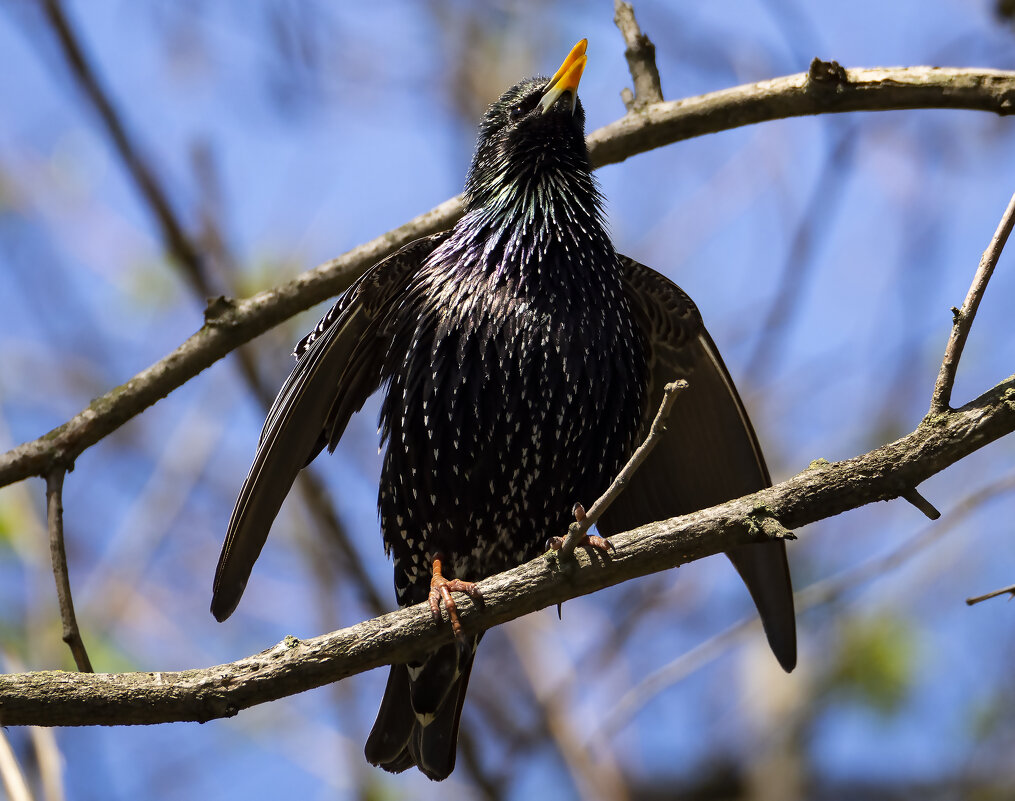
(505, 406)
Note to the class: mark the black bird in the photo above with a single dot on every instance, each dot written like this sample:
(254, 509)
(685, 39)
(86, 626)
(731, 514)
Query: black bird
(522, 360)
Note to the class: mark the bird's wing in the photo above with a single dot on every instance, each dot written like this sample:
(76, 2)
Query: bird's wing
(338, 367)
(709, 453)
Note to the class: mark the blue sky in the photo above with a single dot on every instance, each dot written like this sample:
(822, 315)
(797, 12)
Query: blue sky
(314, 155)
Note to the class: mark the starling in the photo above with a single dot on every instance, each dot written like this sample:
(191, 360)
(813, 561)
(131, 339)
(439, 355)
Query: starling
(522, 360)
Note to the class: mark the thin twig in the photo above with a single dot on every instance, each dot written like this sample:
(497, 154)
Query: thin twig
(1003, 591)
(963, 318)
(641, 60)
(577, 530)
(54, 513)
(914, 497)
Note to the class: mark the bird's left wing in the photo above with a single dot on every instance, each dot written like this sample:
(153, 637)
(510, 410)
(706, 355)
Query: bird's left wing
(709, 453)
(338, 367)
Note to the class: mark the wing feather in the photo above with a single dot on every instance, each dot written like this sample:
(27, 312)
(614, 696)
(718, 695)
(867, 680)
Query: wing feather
(709, 453)
(338, 367)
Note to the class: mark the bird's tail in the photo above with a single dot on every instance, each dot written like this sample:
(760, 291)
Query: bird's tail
(417, 723)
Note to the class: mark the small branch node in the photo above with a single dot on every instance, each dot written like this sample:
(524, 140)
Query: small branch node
(921, 503)
(826, 74)
(641, 60)
(766, 525)
(217, 307)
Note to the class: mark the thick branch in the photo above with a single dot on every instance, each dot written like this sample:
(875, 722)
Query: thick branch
(878, 89)
(231, 323)
(54, 698)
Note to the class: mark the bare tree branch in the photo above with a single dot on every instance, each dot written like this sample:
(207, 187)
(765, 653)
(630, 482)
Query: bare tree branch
(229, 323)
(50, 698)
(799, 95)
(962, 320)
(914, 497)
(641, 60)
(54, 514)
(980, 598)
(585, 520)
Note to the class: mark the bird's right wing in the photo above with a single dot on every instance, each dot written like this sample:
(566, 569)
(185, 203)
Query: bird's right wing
(709, 452)
(338, 367)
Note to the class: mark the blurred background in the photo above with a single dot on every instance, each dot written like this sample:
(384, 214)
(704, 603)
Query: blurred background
(824, 253)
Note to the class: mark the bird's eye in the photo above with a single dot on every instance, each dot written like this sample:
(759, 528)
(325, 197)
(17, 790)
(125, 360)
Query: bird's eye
(517, 113)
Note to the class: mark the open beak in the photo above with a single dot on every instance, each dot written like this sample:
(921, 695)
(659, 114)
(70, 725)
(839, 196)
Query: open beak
(566, 78)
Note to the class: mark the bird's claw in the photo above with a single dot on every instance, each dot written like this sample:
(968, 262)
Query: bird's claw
(440, 591)
(587, 540)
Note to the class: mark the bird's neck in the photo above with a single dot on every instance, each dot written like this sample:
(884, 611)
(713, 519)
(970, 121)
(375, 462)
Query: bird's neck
(530, 218)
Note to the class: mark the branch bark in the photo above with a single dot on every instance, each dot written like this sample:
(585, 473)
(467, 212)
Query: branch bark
(56, 698)
(230, 323)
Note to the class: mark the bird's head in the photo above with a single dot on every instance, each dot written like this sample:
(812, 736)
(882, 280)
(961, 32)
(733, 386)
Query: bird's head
(532, 134)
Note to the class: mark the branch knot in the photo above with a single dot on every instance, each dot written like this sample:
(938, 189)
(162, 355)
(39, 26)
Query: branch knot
(826, 74)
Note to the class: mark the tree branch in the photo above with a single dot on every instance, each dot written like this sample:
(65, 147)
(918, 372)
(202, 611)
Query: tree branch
(1010, 590)
(585, 520)
(230, 323)
(58, 553)
(52, 698)
(962, 320)
(641, 60)
(799, 95)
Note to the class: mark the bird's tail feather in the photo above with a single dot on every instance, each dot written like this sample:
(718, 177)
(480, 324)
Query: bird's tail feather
(417, 723)
(765, 571)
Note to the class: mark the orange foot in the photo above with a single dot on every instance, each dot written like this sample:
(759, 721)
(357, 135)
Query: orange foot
(587, 540)
(441, 589)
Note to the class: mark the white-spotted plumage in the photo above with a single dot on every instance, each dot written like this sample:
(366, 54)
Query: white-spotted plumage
(520, 357)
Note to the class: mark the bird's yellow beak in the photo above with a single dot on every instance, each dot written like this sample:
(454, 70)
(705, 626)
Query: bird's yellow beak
(566, 78)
